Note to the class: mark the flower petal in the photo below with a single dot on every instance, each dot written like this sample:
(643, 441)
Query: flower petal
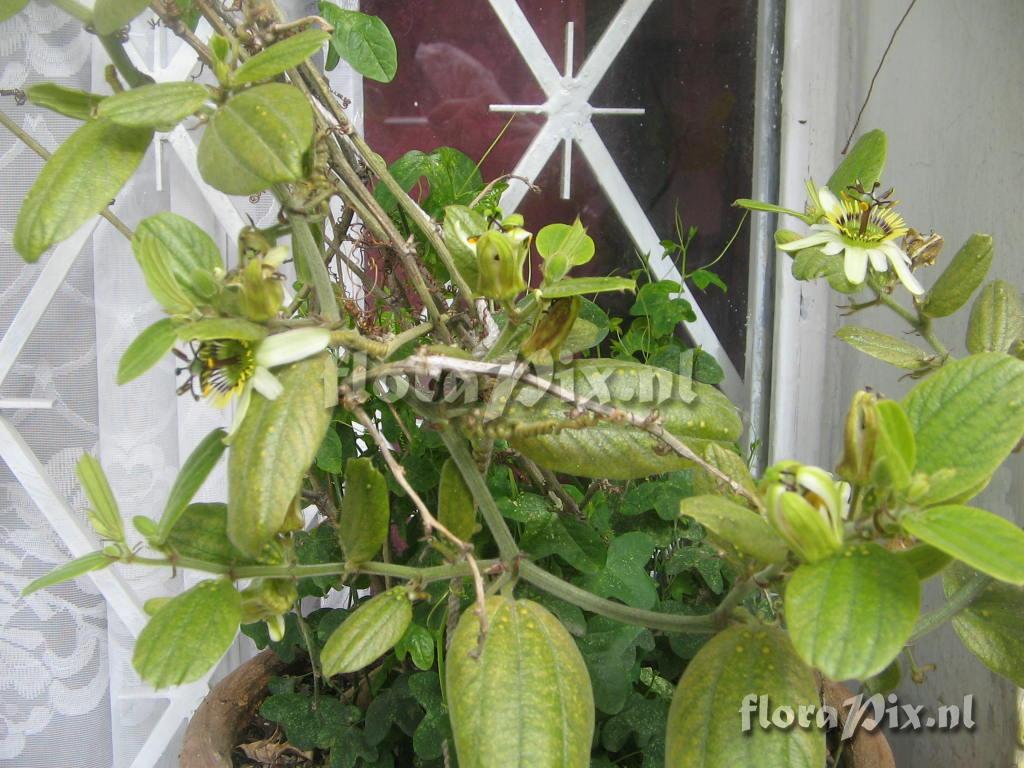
(855, 265)
(829, 202)
(267, 384)
(833, 247)
(878, 260)
(805, 242)
(287, 347)
(906, 276)
(241, 407)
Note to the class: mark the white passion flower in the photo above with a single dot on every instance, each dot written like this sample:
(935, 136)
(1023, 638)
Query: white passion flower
(864, 233)
(230, 367)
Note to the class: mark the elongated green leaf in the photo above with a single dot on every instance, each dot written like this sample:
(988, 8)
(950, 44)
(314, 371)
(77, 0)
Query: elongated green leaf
(981, 539)
(108, 16)
(201, 532)
(884, 347)
(192, 475)
(368, 633)
(147, 349)
(363, 41)
(274, 446)
(849, 615)
(160, 106)
(77, 182)
(365, 512)
(695, 413)
(104, 515)
(757, 205)
(864, 163)
(743, 528)
(258, 138)
(582, 286)
(10, 7)
(222, 328)
(281, 57)
(66, 101)
(926, 560)
(94, 561)
(997, 319)
(967, 416)
(525, 699)
(706, 725)
(189, 634)
(990, 627)
(455, 508)
(961, 278)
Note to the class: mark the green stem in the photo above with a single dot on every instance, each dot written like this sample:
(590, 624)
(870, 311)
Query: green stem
(919, 322)
(968, 592)
(314, 657)
(308, 255)
(123, 63)
(478, 487)
(924, 327)
(588, 601)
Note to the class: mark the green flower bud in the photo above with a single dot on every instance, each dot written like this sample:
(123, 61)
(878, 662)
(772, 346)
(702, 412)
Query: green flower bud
(808, 508)
(859, 442)
(267, 598)
(500, 259)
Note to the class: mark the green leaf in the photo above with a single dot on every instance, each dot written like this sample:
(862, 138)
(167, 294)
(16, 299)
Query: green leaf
(319, 545)
(990, 627)
(661, 496)
(456, 510)
(967, 416)
(201, 532)
(643, 720)
(562, 247)
(981, 539)
(705, 719)
(850, 614)
(280, 57)
(109, 16)
(864, 163)
(739, 526)
(453, 178)
(884, 347)
(104, 515)
(664, 308)
(258, 138)
(69, 102)
(94, 561)
(77, 182)
(330, 455)
(573, 541)
(625, 575)
(210, 328)
(925, 560)
(694, 413)
(147, 350)
(171, 251)
(609, 649)
(160, 106)
(961, 278)
(271, 452)
(997, 319)
(418, 644)
(895, 449)
(462, 225)
(393, 705)
(812, 263)
(189, 634)
(365, 512)
(193, 474)
(363, 41)
(583, 286)
(434, 729)
(702, 278)
(10, 7)
(310, 724)
(368, 633)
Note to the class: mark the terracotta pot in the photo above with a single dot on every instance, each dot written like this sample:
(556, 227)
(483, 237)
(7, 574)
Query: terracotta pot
(227, 709)
(218, 724)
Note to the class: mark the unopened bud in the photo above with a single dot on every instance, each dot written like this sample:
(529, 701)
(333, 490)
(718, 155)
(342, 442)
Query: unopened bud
(808, 508)
(500, 260)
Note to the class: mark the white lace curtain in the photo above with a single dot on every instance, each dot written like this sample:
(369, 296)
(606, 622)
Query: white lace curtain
(68, 695)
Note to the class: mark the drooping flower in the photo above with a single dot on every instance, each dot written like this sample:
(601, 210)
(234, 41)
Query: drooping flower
(808, 508)
(227, 368)
(865, 233)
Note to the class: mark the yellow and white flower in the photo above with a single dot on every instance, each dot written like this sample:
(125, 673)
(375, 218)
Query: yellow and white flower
(865, 233)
